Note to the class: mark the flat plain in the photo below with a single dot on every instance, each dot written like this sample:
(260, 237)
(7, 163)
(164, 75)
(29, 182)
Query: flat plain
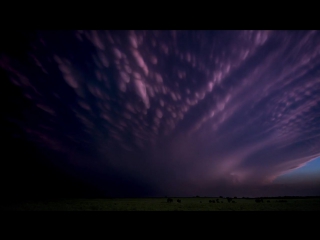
(161, 204)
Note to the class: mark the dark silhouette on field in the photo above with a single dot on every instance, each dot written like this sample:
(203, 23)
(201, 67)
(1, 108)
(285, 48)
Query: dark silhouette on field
(179, 201)
(169, 200)
(259, 200)
(229, 199)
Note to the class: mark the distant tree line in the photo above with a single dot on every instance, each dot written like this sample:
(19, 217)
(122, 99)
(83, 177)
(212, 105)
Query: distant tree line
(257, 200)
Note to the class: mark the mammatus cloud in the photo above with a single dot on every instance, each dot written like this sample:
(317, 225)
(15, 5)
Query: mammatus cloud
(186, 111)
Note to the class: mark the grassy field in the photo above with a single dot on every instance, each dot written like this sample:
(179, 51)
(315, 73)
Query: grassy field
(161, 204)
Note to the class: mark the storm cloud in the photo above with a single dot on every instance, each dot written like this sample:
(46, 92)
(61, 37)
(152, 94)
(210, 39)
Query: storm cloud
(183, 113)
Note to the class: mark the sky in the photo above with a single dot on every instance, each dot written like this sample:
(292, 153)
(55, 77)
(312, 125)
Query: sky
(153, 113)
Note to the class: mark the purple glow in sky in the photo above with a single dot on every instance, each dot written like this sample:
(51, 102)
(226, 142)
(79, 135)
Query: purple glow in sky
(180, 113)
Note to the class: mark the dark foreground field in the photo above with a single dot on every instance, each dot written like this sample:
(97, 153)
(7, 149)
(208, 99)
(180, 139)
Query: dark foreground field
(161, 204)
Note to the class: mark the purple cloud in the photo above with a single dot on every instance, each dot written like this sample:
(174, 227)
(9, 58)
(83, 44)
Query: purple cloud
(189, 112)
